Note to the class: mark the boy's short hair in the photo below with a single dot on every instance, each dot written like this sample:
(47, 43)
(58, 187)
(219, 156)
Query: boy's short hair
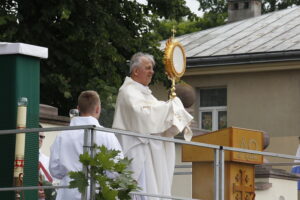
(88, 101)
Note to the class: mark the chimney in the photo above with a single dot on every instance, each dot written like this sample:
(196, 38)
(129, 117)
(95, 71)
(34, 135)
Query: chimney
(243, 9)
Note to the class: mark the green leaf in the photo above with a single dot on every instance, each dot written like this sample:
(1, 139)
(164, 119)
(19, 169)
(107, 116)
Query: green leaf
(108, 171)
(65, 14)
(2, 21)
(85, 159)
(79, 181)
(108, 193)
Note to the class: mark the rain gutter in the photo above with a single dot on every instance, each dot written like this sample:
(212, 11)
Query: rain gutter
(240, 59)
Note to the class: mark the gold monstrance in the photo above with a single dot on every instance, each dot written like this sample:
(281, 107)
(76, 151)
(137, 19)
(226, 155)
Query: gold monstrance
(175, 62)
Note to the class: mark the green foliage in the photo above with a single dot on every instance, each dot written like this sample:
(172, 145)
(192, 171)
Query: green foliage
(208, 20)
(220, 6)
(109, 172)
(213, 6)
(182, 27)
(174, 9)
(89, 43)
(50, 194)
(79, 181)
(272, 5)
(214, 14)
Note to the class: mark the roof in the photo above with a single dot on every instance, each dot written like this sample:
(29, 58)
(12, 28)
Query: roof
(270, 33)
(49, 115)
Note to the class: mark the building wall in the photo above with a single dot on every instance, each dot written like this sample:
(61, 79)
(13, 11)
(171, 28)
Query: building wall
(159, 91)
(49, 138)
(281, 189)
(182, 183)
(267, 101)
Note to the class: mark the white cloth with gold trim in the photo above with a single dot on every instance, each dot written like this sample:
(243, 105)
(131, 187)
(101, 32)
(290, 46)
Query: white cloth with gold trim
(139, 111)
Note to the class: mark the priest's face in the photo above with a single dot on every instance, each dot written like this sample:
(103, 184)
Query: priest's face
(143, 74)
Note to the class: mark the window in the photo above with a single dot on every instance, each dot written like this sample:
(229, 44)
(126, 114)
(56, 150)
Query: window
(246, 5)
(213, 109)
(235, 6)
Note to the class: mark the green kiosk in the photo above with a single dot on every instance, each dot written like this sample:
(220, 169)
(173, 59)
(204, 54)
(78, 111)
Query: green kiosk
(19, 77)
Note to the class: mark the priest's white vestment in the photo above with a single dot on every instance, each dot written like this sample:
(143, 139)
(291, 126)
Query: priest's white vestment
(139, 111)
(66, 149)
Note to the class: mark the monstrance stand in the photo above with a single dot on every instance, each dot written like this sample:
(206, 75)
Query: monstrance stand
(175, 62)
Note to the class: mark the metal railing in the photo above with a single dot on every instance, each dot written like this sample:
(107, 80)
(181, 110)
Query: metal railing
(89, 131)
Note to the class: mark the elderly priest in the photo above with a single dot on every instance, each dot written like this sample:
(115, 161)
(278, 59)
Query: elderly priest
(139, 111)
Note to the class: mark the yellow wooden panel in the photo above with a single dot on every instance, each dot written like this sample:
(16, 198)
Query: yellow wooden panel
(241, 181)
(247, 139)
(231, 137)
(193, 154)
(203, 180)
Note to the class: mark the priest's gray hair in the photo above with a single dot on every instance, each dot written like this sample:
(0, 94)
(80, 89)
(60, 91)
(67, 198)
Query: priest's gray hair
(136, 60)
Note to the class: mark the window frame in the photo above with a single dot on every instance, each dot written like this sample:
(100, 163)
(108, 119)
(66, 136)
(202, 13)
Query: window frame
(215, 115)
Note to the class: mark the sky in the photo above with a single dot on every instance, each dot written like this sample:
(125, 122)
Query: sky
(192, 4)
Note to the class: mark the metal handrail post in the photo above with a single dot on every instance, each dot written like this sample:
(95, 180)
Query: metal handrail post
(216, 173)
(219, 161)
(92, 180)
(84, 168)
(222, 173)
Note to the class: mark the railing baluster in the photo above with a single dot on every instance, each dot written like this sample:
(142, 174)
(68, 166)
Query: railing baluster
(84, 168)
(92, 181)
(222, 173)
(219, 161)
(216, 173)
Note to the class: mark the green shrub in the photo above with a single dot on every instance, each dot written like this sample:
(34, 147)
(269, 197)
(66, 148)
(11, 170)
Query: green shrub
(112, 177)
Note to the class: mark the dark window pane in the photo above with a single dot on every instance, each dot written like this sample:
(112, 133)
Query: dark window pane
(206, 120)
(235, 6)
(213, 97)
(222, 119)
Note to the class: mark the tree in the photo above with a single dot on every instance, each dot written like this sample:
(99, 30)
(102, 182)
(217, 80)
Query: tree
(214, 14)
(220, 6)
(89, 42)
(186, 26)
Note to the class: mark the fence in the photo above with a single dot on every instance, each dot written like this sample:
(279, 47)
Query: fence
(89, 131)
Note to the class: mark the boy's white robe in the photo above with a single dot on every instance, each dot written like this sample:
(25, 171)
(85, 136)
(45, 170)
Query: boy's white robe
(139, 111)
(66, 149)
(45, 162)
